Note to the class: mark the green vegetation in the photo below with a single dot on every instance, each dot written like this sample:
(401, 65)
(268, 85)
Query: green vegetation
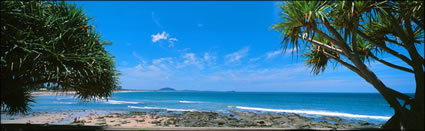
(353, 33)
(167, 89)
(51, 45)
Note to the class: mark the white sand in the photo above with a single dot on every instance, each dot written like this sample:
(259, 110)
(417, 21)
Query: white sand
(40, 118)
(52, 93)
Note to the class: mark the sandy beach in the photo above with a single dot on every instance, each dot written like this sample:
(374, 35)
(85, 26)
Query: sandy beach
(52, 93)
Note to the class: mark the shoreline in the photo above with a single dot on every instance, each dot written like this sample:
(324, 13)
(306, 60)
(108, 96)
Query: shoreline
(186, 119)
(59, 93)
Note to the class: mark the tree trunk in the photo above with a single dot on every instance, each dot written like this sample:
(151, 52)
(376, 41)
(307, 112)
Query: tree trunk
(393, 122)
(417, 107)
(401, 117)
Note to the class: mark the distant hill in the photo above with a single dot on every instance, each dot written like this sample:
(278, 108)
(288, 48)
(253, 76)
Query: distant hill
(167, 89)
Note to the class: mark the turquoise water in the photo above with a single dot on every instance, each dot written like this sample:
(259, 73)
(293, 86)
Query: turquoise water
(357, 106)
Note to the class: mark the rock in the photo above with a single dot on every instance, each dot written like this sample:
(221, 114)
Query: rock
(117, 125)
(293, 118)
(140, 120)
(364, 123)
(263, 123)
(100, 124)
(124, 122)
(331, 118)
(169, 121)
(162, 115)
(305, 126)
(156, 122)
(259, 121)
(220, 121)
(314, 123)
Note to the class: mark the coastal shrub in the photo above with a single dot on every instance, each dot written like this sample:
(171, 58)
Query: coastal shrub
(51, 45)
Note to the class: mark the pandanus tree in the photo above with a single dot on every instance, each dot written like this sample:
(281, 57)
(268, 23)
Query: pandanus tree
(351, 33)
(52, 45)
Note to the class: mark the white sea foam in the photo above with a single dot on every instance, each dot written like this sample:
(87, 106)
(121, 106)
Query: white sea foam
(181, 110)
(310, 112)
(121, 102)
(65, 103)
(191, 102)
(161, 108)
(145, 107)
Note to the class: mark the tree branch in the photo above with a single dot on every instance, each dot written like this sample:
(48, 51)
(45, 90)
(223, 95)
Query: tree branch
(345, 49)
(409, 30)
(393, 41)
(398, 94)
(331, 29)
(390, 64)
(411, 43)
(330, 48)
(417, 22)
(349, 66)
(354, 31)
(356, 70)
(385, 48)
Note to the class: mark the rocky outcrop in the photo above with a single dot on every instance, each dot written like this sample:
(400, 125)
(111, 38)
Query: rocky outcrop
(235, 119)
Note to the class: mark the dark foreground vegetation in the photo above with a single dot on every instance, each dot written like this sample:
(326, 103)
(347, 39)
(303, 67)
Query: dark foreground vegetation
(50, 45)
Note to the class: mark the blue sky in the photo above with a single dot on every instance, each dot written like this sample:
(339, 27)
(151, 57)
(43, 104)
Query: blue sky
(216, 46)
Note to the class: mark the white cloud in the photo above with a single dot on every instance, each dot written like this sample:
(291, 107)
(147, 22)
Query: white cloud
(138, 67)
(206, 56)
(190, 59)
(272, 54)
(183, 50)
(164, 36)
(138, 57)
(292, 50)
(237, 56)
(161, 60)
(209, 58)
(160, 36)
(254, 59)
(171, 41)
(155, 19)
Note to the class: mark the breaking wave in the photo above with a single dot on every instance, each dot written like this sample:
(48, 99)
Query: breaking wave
(160, 108)
(121, 102)
(191, 102)
(312, 112)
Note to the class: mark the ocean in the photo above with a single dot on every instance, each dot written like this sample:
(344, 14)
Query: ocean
(356, 106)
